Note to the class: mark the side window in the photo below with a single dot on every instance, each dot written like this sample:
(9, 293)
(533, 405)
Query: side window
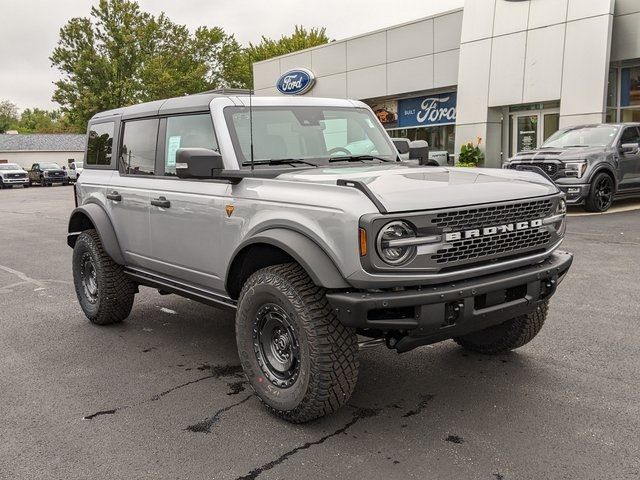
(138, 152)
(187, 131)
(630, 135)
(100, 144)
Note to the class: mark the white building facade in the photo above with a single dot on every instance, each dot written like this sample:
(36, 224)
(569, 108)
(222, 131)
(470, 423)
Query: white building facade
(510, 72)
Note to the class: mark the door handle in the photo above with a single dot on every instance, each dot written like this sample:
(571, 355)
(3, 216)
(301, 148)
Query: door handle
(161, 202)
(114, 196)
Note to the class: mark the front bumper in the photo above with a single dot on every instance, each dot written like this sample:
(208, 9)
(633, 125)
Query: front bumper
(14, 181)
(434, 313)
(56, 179)
(575, 194)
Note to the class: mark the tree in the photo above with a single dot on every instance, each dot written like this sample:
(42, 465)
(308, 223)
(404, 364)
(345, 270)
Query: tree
(8, 115)
(300, 39)
(121, 55)
(43, 121)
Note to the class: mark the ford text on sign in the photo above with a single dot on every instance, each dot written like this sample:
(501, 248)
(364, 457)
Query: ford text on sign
(425, 111)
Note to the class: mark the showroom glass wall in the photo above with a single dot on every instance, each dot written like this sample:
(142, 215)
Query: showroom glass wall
(623, 95)
(429, 117)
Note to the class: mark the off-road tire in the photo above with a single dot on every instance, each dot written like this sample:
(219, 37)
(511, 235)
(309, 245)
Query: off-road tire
(507, 336)
(115, 292)
(328, 366)
(592, 203)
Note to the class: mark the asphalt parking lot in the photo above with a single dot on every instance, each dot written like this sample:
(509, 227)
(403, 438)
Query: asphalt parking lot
(164, 397)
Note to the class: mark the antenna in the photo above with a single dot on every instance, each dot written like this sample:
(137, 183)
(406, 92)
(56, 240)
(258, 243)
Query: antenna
(251, 126)
(251, 115)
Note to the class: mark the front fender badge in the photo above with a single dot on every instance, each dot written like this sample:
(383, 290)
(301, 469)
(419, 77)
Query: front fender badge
(229, 209)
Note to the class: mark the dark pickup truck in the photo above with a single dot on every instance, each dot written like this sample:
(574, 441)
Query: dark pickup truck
(592, 164)
(46, 174)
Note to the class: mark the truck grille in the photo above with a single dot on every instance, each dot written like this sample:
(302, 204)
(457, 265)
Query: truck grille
(17, 175)
(492, 215)
(504, 243)
(550, 168)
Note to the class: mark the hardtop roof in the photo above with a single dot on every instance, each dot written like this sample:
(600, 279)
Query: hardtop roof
(201, 102)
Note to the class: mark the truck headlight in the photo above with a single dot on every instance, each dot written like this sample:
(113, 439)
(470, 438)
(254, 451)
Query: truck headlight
(395, 242)
(559, 219)
(575, 169)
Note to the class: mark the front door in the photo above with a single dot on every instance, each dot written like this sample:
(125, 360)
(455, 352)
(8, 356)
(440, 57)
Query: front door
(629, 162)
(187, 217)
(531, 129)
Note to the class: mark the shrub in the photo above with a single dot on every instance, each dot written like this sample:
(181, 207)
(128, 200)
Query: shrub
(470, 154)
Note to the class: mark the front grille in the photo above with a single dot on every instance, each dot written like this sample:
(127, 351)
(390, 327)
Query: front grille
(492, 215)
(17, 175)
(550, 168)
(501, 244)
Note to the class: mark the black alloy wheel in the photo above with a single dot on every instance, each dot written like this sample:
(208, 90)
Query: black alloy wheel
(276, 345)
(89, 278)
(601, 195)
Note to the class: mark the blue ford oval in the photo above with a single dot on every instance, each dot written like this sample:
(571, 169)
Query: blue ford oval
(295, 82)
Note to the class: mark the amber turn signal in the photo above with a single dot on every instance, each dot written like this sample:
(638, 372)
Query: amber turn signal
(363, 242)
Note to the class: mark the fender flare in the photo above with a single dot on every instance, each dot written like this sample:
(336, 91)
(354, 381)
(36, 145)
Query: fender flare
(99, 220)
(604, 168)
(318, 265)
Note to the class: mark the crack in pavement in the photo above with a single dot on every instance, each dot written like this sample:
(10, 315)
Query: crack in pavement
(217, 371)
(426, 399)
(154, 398)
(358, 415)
(205, 425)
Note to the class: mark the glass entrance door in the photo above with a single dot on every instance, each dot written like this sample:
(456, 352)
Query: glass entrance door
(531, 129)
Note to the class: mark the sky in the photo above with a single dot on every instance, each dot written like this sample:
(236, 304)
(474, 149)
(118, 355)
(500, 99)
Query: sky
(30, 29)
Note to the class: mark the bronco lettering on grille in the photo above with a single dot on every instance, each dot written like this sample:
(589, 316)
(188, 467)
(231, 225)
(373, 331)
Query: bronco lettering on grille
(488, 231)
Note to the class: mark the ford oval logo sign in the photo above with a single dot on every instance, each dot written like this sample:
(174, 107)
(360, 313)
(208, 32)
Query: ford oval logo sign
(296, 82)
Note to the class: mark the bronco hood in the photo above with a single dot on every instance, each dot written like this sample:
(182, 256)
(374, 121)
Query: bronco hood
(402, 188)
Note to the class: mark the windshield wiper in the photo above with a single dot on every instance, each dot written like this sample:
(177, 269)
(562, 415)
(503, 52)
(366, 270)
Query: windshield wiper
(357, 158)
(279, 161)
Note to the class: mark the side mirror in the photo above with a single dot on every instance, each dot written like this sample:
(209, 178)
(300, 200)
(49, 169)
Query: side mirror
(63, 167)
(629, 148)
(203, 163)
(419, 150)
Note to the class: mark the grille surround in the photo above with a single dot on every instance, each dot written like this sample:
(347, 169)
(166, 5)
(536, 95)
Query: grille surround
(441, 222)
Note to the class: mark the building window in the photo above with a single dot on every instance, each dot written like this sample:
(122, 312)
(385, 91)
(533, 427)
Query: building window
(623, 95)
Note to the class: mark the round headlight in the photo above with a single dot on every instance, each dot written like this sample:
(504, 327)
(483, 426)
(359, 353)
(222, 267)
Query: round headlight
(392, 245)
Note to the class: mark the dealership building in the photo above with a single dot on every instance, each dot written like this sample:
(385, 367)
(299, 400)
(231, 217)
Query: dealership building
(510, 72)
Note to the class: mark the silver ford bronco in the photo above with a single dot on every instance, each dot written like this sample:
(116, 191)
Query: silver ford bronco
(297, 214)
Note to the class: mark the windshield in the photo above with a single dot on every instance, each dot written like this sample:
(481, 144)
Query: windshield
(9, 166)
(314, 134)
(49, 166)
(596, 136)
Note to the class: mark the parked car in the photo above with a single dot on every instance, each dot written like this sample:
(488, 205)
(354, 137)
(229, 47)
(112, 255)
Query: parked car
(592, 164)
(46, 174)
(74, 171)
(295, 214)
(12, 174)
(436, 157)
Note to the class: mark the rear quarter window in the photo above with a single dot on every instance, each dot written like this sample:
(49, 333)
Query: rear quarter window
(100, 144)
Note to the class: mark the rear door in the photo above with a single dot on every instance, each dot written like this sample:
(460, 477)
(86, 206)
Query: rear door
(630, 162)
(189, 215)
(128, 195)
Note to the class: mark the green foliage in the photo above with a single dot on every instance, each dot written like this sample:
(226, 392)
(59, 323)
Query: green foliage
(470, 154)
(8, 115)
(121, 55)
(43, 121)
